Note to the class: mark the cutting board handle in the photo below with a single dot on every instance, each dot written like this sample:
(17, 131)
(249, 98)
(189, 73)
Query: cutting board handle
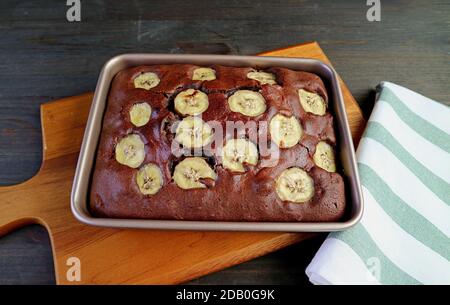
(26, 203)
(13, 206)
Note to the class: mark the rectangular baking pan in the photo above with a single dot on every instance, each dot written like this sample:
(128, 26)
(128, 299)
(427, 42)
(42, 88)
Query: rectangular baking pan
(345, 149)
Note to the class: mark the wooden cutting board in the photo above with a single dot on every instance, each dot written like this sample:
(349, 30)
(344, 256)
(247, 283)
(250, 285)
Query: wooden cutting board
(113, 256)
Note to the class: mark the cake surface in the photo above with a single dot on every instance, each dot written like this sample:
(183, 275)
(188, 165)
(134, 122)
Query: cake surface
(166, 150)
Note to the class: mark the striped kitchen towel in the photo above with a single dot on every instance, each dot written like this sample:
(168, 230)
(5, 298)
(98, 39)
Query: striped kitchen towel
(404, 166)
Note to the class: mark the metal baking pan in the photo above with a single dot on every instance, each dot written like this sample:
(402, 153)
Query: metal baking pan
(345, 149)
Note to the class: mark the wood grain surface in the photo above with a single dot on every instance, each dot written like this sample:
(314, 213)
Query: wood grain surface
(111, 256)
(44, 57)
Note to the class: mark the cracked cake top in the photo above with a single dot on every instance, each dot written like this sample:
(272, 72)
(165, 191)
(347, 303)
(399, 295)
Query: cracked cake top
(217, 143)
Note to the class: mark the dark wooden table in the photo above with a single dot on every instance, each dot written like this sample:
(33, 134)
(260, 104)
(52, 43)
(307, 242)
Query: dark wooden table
(45, 57)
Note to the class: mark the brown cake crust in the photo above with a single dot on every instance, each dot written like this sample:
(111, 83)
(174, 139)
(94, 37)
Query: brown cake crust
(249, 196)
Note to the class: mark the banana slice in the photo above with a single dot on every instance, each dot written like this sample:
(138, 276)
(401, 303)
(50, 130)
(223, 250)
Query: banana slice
(285, 131)
(236, 152)
(324, 157)
(191, 102)
(146, 80)
(247, 102)
(193, 132)
(190, 171)
(149, 179)
(130, 151)
(294, 185)
(262, 77)
(312, 102)
(140, 114)
(204, 74)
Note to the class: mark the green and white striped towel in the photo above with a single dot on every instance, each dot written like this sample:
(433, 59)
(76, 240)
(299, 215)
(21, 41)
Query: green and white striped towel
(404, 166)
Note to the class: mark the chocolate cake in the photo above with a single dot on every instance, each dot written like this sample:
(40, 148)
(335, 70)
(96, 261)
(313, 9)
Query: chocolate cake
(217, 143)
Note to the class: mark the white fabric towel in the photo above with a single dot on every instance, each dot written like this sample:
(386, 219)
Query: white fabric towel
(404, 165)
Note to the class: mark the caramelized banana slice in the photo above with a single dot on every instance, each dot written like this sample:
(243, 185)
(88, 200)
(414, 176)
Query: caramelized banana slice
(130, 151)
(294, 185)
(140, 114)
(193, 132)
(247, 102)
(262, 77)
(324, 157)
(146, 80)
(191, 102)
(204, 74)
(285, 131)
(236, 152)
(189, 172)
(149, 179)
(312, 102)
